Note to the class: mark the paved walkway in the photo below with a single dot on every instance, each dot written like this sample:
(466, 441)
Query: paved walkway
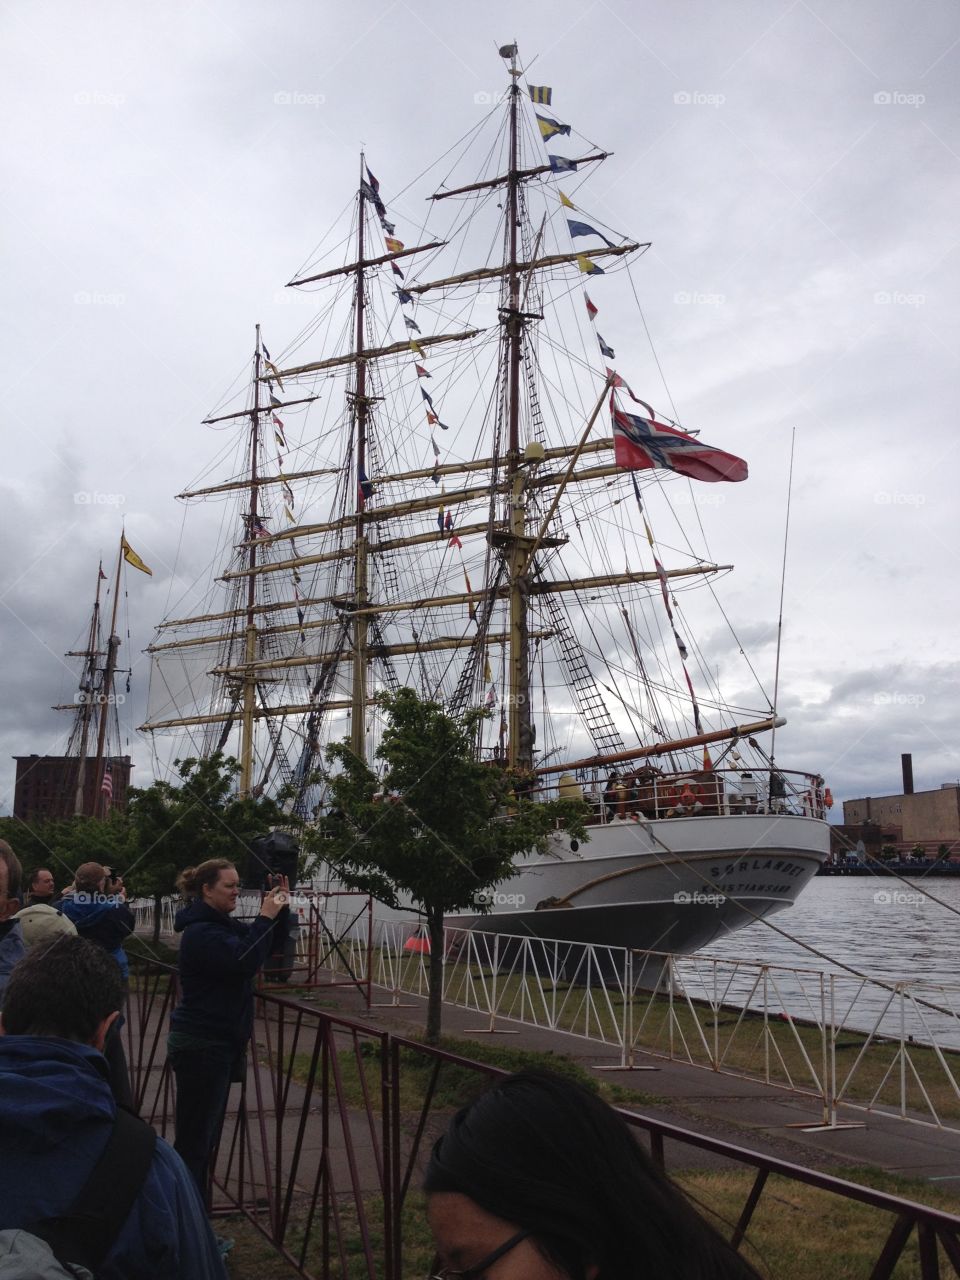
(771, 1120)
(732, 1108)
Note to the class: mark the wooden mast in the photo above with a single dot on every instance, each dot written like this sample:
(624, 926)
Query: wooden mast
(105, 696)
(358, 715)
(86, 706)
(519, 724)
(250, 645)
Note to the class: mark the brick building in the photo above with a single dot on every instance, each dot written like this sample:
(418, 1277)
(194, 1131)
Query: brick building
(46, 786)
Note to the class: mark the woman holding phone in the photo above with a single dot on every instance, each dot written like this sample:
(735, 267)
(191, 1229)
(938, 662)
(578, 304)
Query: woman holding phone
(212, 1023)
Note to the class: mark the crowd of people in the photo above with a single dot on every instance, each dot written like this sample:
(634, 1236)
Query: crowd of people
(538, 1179)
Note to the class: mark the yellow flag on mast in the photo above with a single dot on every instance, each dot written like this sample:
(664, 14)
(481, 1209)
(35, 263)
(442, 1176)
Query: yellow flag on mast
(131, 556)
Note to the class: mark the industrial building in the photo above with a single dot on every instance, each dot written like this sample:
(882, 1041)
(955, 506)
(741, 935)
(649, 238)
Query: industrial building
(927, 818)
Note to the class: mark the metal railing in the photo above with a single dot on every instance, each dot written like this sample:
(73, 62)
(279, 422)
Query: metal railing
(879, 1045)
(322, 1145)
(875, 1044)
(648, 792)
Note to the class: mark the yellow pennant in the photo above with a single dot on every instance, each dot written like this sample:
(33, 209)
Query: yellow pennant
(566, 201)
(131, 556)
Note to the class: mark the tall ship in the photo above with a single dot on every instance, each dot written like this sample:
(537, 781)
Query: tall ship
(449, 481)
(91, 779)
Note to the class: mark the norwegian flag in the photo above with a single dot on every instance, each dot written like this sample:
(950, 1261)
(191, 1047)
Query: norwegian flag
(639, 443)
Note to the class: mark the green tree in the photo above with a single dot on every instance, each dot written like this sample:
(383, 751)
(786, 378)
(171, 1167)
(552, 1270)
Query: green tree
(176, 825)
(437, 827)
(62, 844)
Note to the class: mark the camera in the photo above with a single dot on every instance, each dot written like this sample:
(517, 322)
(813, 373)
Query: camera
(270, 857)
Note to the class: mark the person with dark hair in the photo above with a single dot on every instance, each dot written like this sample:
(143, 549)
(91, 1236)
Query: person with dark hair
(540, 1177)
(12, 946)
(39, 919)
(58, 1117)
(41, 887)
(212, 1024)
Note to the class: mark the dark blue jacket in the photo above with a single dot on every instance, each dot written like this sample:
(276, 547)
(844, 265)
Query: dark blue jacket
(108, 923)
(219, 957)
(12, 951)
(56, 1114)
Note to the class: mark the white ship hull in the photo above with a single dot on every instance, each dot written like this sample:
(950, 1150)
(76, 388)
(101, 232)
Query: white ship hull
(672, 885)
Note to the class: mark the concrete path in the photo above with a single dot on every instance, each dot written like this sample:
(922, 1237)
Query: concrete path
(732, 1108)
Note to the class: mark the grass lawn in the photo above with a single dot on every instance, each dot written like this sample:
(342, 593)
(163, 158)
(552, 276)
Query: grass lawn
(798, 1233)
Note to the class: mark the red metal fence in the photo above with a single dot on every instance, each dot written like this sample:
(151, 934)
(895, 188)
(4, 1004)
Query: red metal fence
(322, 1145)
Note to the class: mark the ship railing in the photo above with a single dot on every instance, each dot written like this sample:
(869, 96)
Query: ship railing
(841, 1040)
(646, 793)
(324, 1141)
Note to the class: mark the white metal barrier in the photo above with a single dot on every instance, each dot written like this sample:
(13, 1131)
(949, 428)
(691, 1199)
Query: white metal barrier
(869, 1043)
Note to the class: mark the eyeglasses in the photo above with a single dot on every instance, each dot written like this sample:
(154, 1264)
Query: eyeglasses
(477, 1270)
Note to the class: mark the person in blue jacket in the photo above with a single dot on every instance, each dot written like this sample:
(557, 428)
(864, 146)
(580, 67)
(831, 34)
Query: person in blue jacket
(212, 1023)
(12, 946)
(98, 909)
(57, 1114)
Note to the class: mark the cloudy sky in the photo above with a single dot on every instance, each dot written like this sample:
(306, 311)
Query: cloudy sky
(796, 166)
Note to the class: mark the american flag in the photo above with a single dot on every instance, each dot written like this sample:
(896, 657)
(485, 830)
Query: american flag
(106, 786)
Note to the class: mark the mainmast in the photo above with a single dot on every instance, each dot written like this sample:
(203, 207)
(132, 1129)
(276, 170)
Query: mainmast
(105, 696)
(361, 623)
(86, 696)
(250, 632)
(520, 724)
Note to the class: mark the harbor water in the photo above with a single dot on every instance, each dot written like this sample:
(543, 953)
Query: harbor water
(889, 931)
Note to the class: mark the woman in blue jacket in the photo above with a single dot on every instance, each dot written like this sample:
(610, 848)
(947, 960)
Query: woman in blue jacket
(211, 1025)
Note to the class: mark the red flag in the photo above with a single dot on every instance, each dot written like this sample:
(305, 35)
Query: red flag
(619, 383)
(591, 309)
(421, 371)
(640, 443)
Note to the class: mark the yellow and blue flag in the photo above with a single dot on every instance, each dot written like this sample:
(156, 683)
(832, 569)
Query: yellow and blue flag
(588, 266)
(540, 94)
(550, 128)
